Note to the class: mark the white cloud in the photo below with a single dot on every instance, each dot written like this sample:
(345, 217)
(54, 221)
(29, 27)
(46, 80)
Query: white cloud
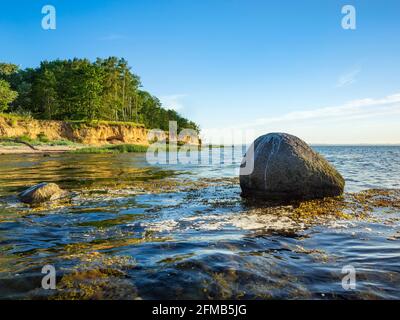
(351, 122)
(356, 108)
(173, 102)
(348, 78)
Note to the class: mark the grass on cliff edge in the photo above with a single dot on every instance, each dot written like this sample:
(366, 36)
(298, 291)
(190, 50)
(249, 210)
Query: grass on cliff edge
(76, 124)
(14, 116)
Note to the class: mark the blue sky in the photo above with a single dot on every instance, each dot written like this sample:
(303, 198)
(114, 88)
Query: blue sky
(237, 65)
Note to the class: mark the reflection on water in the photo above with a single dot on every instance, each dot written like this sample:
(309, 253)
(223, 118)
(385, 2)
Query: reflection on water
(131, 230)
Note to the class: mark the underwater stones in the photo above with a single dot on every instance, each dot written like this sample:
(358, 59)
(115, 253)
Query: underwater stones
(286, 168)
(42, 192)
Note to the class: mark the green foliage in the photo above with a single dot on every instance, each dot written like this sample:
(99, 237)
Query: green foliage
(43, 138)
(7, 69)
(25, 138)
(121, 148)
(78, 124)
(128, 148)
(6, 95)
(86, 92)
(15, 141)
(13, 116)
(63, 142)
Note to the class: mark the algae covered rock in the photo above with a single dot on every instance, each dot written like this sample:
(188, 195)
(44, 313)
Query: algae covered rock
(286, 168)
(42, 192)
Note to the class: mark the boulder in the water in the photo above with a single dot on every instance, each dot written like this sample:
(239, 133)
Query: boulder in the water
(286, 168)
(42, 192)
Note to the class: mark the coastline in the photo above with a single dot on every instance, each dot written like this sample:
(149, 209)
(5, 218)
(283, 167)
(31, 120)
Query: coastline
(5, 150)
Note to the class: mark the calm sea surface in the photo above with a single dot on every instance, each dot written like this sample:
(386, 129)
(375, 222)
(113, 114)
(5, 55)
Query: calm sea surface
(183, 241)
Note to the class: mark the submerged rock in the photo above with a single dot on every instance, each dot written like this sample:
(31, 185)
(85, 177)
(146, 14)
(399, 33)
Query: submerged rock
(286, 168)
(42, 192)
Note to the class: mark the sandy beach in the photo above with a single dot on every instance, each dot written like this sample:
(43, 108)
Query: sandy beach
(40, 149)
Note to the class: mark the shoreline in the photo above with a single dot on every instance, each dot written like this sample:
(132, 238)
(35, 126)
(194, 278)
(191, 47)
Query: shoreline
(58, 149)
(6, 150)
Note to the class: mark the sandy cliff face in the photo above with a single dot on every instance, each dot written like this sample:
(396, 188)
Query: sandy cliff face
(32, 128)
(98, 134)
(103, 134)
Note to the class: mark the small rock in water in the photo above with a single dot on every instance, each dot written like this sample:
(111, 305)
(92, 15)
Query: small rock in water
(42, 192)
(286, 168)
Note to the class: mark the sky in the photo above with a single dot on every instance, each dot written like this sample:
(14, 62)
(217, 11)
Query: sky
(239, 68)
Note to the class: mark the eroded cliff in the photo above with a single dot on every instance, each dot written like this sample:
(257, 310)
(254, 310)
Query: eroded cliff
(94, 133)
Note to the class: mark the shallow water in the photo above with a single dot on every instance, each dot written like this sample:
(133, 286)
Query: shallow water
(132, 230)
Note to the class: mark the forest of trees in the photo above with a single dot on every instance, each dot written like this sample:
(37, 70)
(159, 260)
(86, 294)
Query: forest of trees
(79, 89)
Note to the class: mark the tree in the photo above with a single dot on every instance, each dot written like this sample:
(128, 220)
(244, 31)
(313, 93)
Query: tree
(91, 89)
(78, 89)
(6, 95)
(47, 98)
(7, 69)
(22, 83)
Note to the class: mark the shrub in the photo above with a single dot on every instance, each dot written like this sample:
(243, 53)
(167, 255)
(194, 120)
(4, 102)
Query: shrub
(43, 138)
(121, 148)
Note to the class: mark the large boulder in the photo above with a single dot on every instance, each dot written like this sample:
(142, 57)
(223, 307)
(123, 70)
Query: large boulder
(286, 168)
(42, 192)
